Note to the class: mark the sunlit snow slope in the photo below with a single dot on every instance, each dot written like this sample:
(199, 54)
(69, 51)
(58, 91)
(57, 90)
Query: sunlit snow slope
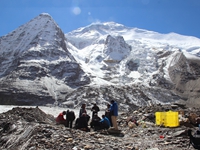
(111, 50)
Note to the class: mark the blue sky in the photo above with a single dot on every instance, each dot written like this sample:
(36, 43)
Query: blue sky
(163, 16)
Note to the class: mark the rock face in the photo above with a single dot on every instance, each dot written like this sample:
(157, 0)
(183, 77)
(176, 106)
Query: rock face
(185, 75)
(115, 49)
(31, 128)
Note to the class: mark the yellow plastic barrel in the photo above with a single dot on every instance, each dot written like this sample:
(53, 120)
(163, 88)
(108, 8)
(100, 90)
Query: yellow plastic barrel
(160, 118)
(171, 119)
(167, 119)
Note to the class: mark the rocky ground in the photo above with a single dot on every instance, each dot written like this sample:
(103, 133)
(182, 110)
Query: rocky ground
(31, 128)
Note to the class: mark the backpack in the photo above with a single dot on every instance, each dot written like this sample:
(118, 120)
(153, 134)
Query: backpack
(194, 139)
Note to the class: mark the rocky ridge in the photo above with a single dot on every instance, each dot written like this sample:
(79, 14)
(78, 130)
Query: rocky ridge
(31, 128)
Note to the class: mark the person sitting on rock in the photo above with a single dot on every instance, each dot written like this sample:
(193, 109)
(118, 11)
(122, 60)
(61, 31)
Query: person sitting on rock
(70, 117)
(83, 111)
(81, 123)
(104, 123)
(95, 122)
(60, 118)
(108, 114)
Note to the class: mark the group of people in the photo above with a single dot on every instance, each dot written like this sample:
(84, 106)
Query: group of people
(109, 119)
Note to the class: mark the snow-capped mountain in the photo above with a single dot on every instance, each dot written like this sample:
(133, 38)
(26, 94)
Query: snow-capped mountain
(154, 62)
(97, 63)
(34, 60)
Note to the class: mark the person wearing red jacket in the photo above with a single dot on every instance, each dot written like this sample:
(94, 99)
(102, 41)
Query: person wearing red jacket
(60, 119)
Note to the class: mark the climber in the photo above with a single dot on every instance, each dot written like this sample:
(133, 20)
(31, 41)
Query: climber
(60, 118)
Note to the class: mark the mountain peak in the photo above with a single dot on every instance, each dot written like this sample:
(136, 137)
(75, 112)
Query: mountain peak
(108, 26)
(40, 35)
(102, 28)
(43, 19)
(45, 14)
(111, 23)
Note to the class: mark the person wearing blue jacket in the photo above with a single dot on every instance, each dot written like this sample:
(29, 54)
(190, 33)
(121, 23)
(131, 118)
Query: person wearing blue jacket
(104, 122)
(114, 113)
